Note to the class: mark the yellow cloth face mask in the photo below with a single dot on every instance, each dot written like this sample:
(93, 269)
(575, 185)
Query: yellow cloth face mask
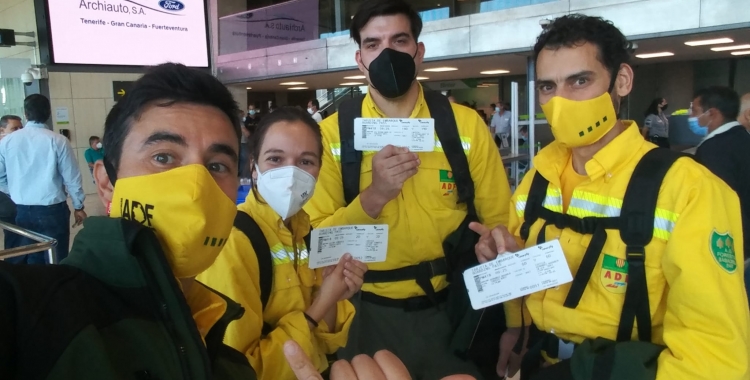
(580, 123)
(191, 215)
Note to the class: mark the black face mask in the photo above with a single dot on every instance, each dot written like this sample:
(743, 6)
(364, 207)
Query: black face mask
(392, 73)
(664, 107)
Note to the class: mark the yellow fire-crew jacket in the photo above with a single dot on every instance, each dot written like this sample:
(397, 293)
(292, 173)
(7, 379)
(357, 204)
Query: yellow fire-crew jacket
(426, 211)
(699, 308)
(237, 275)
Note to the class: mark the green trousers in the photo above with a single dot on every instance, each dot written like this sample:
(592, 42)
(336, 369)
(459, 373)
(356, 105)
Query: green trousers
(419, 338)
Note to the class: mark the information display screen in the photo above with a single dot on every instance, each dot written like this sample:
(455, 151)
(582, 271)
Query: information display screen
(129, 32)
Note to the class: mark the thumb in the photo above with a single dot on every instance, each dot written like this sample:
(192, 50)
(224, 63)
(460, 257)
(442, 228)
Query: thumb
(388, 151)
(478, 228)
(299, 362)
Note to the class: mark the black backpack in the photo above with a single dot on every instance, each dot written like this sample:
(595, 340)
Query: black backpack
(636, 226)
(469, 340)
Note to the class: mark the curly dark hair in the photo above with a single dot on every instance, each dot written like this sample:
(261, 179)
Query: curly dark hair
(577, 29)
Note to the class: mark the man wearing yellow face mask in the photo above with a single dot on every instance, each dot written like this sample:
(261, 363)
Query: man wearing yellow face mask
(125, 304)
(657, 292)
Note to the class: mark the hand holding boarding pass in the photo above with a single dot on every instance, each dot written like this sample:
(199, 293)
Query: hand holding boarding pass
(514, 275)
(366, 243)
(374, 134)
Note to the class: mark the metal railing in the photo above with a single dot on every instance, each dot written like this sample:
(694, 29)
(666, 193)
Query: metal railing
(43, 243)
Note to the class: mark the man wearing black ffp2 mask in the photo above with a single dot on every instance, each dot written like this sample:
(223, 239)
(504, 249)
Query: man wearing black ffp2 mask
(408, 307)
(393, 72)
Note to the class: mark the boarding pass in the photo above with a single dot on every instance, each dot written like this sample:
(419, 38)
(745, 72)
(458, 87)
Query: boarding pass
(373, 134)
(366, 243)
(514, 275)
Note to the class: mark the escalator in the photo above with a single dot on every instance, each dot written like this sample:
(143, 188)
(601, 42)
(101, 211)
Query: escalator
(332, 99)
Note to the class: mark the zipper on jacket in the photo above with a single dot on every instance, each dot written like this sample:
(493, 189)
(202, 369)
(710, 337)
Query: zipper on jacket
(187, 314)
(164, 315)
(182, 304)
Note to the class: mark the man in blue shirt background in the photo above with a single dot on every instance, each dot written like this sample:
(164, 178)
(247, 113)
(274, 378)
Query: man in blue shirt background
(38, 170)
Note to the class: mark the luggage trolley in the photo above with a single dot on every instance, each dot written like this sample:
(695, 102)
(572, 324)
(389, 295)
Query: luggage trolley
(43, 243)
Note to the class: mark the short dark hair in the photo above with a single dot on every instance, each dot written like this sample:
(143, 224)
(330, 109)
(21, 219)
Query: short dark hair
(93, 138)
(165, 85)
(37, 108)
(492, 105)
(722, 98)
(287, 114)
(374, 8)
(576, 29)
(315, 103)
(5, 120)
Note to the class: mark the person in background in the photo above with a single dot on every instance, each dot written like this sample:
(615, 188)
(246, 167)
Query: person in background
(656, 125)
(38, 169)
(125, 304)
(482, 114)
(523, 136)
(8, 125)
(744, 117)
(690, 264)
(307, 305)
(249, 123)
(312, 109)
(500, 124)
(409, 192)
(726, 149)
(251, 119)
(94, 153)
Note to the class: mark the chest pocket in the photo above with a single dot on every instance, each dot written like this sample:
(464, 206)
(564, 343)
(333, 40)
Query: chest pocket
(434, 185)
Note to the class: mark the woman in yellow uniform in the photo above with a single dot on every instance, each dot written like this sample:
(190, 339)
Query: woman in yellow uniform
(305, 305)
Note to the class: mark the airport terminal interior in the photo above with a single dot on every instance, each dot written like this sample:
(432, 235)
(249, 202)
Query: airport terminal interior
(86, 56)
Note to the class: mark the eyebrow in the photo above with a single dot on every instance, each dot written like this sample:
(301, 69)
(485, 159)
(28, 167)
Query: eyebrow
(568, 78)
(402, 34)
(224, 149)
(158, 137)
(370, 39)
(579, 74)
(273, 150)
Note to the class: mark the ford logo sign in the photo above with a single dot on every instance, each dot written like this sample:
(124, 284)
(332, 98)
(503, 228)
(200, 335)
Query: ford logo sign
(172, 5)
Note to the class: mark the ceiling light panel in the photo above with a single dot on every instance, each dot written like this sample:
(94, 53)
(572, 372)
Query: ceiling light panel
(714, 41)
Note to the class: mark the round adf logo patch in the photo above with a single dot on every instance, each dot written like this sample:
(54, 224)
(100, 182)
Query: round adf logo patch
(722, 248)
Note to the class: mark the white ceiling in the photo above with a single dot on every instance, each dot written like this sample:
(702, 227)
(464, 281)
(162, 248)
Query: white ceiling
(516, 63)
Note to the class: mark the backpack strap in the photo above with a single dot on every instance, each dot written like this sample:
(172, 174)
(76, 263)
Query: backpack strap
(447, 132)
(351, 159)
(534, 204)
(636, 230)
(248, 226)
